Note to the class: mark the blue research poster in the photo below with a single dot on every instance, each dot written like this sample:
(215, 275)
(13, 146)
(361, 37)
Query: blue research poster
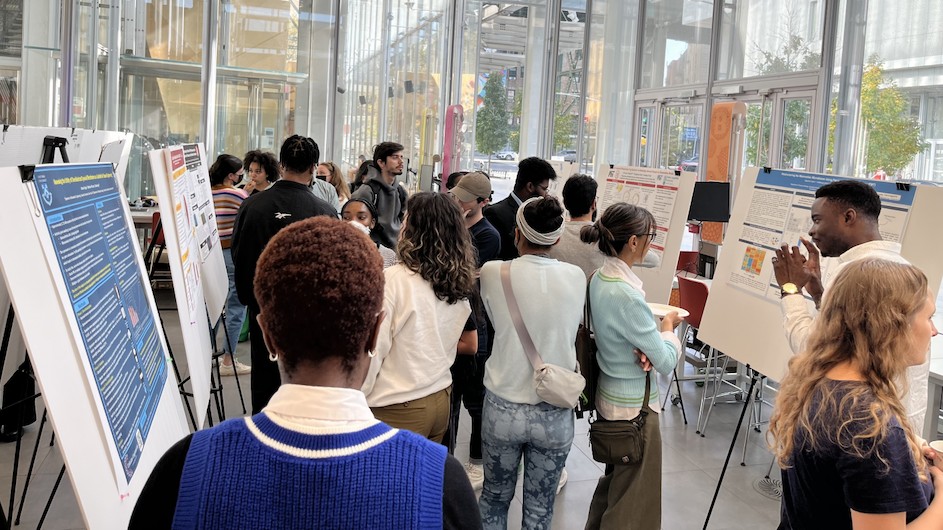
(84, 211)
(781, 212)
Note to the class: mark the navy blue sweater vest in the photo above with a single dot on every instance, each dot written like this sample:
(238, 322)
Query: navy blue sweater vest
(254, 473)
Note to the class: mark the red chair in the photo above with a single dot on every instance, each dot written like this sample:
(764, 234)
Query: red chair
(693, 296)
(156, 240)
(687, 261)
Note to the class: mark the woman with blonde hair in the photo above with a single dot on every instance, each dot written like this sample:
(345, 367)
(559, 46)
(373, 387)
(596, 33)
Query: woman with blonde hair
(330, 173)
(426, 303)
(849, 456)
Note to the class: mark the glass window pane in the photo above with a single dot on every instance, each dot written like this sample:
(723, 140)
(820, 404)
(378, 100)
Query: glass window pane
(796, 116)
(677, 42)
(680, 137)
(765, 37)
(644, 124)
(569, 81)
(757, 135)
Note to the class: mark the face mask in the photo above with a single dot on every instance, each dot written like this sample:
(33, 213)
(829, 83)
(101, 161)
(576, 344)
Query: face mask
(356, 224)
(321, 177)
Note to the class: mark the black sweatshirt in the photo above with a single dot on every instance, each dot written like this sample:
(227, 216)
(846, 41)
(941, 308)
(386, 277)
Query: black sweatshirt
(260, 217)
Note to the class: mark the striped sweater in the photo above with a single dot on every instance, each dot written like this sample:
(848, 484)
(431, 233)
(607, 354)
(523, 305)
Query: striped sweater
(256, 472)
(226, 201)
(623, 322)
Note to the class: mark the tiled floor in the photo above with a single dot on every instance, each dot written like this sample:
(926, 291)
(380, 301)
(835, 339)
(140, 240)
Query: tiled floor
(691, 466)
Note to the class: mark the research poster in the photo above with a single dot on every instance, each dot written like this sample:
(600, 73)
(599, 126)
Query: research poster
(83, 209)
(656, 190)
(185, 219)
(780, 212)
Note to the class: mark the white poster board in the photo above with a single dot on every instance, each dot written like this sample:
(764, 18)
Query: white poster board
(185, 271)
(22, 145)
(564, 171)
(34, 268)
(667, 195)
(743, 316)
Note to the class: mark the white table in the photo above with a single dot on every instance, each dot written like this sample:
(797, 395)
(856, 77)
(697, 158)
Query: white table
(143, 218)
(705, 281)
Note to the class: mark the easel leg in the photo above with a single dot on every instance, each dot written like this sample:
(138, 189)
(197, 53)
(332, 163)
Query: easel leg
(51, 497)
(29, 473)
(16, 464)
(173, 361)
(232, 357)
(733, 442)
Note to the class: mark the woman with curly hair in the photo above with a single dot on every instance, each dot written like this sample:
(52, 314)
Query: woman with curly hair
(426, 302)
(315, 456)
(331, 174)
(549, 297)
(849, 456)
(263, 170)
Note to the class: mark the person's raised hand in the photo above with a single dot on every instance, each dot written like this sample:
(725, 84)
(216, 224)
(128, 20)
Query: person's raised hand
(643, 360)
(789, 266)
(813, 267)
(250, 187)
(671, 321)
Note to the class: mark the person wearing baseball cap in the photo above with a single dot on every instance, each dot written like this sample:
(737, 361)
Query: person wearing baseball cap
(473, 193)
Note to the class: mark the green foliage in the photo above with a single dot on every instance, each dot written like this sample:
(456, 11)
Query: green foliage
(893, 135)
(491, 129)
(564, 130)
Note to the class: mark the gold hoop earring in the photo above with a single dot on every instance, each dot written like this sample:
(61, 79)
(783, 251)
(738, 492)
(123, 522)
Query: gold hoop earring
(273, 357)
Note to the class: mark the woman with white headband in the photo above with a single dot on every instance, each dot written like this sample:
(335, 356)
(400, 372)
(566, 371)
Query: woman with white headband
(628, 496)
(515, 421)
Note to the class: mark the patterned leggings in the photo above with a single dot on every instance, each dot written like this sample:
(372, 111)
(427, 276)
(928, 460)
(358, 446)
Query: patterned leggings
(543, 434)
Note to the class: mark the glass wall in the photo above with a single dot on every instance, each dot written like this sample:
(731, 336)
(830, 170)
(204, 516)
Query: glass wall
(677, 42)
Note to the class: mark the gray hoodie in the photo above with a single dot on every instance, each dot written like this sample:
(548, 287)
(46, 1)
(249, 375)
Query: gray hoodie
(390, 202)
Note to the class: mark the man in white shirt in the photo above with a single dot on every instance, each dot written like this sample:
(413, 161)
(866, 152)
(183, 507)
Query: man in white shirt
(844, 226)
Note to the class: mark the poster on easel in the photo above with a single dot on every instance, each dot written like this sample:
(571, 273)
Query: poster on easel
(780, 212)
(743, 317)
(564, 171)
(667, 195)
(195, 218)
(93, 248)
(76, 279)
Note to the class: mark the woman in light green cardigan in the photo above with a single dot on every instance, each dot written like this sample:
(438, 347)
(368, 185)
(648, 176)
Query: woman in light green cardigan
(628, 497)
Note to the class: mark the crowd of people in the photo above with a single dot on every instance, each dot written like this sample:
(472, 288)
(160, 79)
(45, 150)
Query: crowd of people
(375, 316)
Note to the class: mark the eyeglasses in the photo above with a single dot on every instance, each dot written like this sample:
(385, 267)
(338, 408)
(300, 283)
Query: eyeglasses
(650, 236)
(545, 188)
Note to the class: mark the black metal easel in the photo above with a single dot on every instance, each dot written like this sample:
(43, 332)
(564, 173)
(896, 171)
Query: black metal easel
(216, 384)
(754, 375)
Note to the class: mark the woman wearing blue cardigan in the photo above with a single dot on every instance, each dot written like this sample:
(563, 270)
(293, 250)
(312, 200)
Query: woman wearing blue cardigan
(628, 497)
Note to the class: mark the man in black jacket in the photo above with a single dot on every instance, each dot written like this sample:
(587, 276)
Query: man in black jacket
(260, 217)
(381, 189)
(533, 179)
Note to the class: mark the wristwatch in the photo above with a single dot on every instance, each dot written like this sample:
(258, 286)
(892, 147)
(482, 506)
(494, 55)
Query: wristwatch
(789, 288)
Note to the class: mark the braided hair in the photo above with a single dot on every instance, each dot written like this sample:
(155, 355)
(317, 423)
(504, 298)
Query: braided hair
(299, 154)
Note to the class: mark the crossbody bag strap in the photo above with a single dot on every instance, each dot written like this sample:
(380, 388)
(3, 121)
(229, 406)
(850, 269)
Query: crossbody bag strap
(515, 311)
(588, 312)
(648, 388)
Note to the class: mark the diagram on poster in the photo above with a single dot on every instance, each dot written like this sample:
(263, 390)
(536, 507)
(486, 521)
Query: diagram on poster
(656, 190)
(781, 212)
(83, 211)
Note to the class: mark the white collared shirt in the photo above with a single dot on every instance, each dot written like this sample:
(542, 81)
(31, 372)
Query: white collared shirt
(320, 407)
(798, 323)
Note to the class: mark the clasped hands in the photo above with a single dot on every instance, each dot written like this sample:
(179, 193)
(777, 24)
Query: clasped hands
(792, 267)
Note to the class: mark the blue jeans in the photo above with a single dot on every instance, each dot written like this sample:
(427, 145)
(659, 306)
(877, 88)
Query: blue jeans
(235, 311)
(544, 434)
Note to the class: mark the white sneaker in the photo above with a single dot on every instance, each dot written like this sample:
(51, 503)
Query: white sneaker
(236, 368)
(476, 475)
(562, 481)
